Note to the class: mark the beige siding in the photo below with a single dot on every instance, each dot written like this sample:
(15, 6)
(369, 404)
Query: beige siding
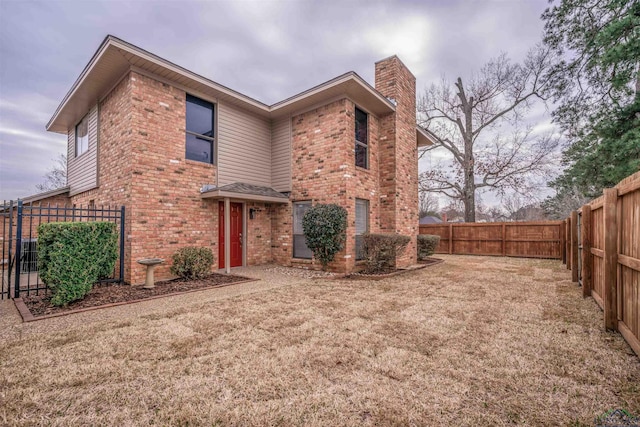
(281, 155)
(244, 147)
(82, 171)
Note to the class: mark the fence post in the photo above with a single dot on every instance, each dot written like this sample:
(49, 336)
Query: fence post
(567, 233)
(122, 236)
(587, 267)
(450, 239)
(610, 258)
(563, 249)
(574, 246)
(504, 239)
(16, 263)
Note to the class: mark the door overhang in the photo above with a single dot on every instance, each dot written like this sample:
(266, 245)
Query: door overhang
(242, 191)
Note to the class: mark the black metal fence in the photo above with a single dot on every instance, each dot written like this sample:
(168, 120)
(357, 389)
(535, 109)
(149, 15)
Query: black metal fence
(19, 261)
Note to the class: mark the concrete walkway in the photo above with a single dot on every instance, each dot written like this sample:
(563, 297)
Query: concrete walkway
(269, 277)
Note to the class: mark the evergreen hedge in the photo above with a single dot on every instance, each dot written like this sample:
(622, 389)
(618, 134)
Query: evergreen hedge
(72, 256)
(427, 245)
(325, 229)
(381, 250)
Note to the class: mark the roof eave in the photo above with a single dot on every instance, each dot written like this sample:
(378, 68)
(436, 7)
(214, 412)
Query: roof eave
(423, 137)
(221, 194)
(46, 194)
(118, 57)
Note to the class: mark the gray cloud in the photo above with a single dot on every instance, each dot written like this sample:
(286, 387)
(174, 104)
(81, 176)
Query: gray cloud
(268, 50)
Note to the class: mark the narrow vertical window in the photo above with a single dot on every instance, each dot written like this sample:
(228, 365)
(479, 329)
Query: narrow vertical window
(82, 136)
(362, 139)
(362, 225)
(199, 130)
(300, 249)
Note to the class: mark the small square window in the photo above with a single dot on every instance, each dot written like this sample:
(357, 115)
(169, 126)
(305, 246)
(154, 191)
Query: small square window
(82, 136)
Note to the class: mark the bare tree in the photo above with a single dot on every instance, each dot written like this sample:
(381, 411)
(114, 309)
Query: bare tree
(429, 204)
(520, 208)
(461, 119)
(454, 210)
(56, 177)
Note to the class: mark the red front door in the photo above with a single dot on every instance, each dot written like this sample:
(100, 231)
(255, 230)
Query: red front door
(236, 235)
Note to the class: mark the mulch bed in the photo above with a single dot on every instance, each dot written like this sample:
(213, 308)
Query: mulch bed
(115, 294)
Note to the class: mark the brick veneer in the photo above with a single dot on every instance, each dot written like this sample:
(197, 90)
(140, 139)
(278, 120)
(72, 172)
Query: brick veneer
(399, 171)
(142, 166)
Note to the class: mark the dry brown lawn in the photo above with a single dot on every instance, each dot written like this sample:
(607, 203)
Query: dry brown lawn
(473, 341)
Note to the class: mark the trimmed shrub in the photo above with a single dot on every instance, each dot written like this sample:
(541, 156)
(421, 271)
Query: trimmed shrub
(72, 256)
(381, 250)
(325, 229)
(192, 262)
(427, 244)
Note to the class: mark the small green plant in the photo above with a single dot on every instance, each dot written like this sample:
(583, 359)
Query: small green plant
(72, 256)
(427, 245)
(192, 262)
(381, 250)
(325, 229)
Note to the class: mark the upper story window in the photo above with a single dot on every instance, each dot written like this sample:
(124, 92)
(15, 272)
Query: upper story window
(362, 139)
(199, 130)
(82, 136)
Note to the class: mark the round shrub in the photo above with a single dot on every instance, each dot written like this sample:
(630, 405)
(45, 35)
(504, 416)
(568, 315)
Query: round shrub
(325, 229)
(427, 245)
(192, 262)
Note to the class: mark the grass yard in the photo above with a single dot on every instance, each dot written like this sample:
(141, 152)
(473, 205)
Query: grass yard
(473, 341)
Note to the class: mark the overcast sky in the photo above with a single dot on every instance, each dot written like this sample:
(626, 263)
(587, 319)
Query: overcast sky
(268, 50)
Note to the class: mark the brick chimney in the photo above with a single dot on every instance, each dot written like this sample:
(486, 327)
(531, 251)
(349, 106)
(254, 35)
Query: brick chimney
(398, 154)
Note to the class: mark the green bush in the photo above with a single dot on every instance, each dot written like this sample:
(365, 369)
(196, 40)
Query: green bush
(72, 256)
(381, 250)
(324, 229)
(427, 245)
(192, 262)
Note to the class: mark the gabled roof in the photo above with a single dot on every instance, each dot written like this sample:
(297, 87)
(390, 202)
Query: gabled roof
(115, 57)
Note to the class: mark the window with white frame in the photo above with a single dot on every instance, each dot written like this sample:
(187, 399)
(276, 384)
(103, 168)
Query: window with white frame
(300, 249)
(82, 136)
(362, 225)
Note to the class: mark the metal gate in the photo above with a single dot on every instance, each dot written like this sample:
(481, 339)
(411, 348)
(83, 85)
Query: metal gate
(19, 237)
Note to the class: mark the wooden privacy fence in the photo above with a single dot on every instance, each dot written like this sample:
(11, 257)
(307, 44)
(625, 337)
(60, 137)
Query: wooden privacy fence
(603, 253)
(544, 239)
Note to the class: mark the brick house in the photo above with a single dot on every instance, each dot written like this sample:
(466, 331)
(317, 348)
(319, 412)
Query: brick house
(196, 163)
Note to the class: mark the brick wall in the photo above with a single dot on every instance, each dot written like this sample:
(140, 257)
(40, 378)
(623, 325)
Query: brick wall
(114, 159)
(142, 165)
(258, 234)
(324, 170)
(281, 233)
(399, 177)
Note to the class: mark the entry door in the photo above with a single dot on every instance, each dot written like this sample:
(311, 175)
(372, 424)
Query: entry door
(236, 235)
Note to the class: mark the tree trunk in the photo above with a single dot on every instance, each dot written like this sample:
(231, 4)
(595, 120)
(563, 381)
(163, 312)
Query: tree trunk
(470, 201)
